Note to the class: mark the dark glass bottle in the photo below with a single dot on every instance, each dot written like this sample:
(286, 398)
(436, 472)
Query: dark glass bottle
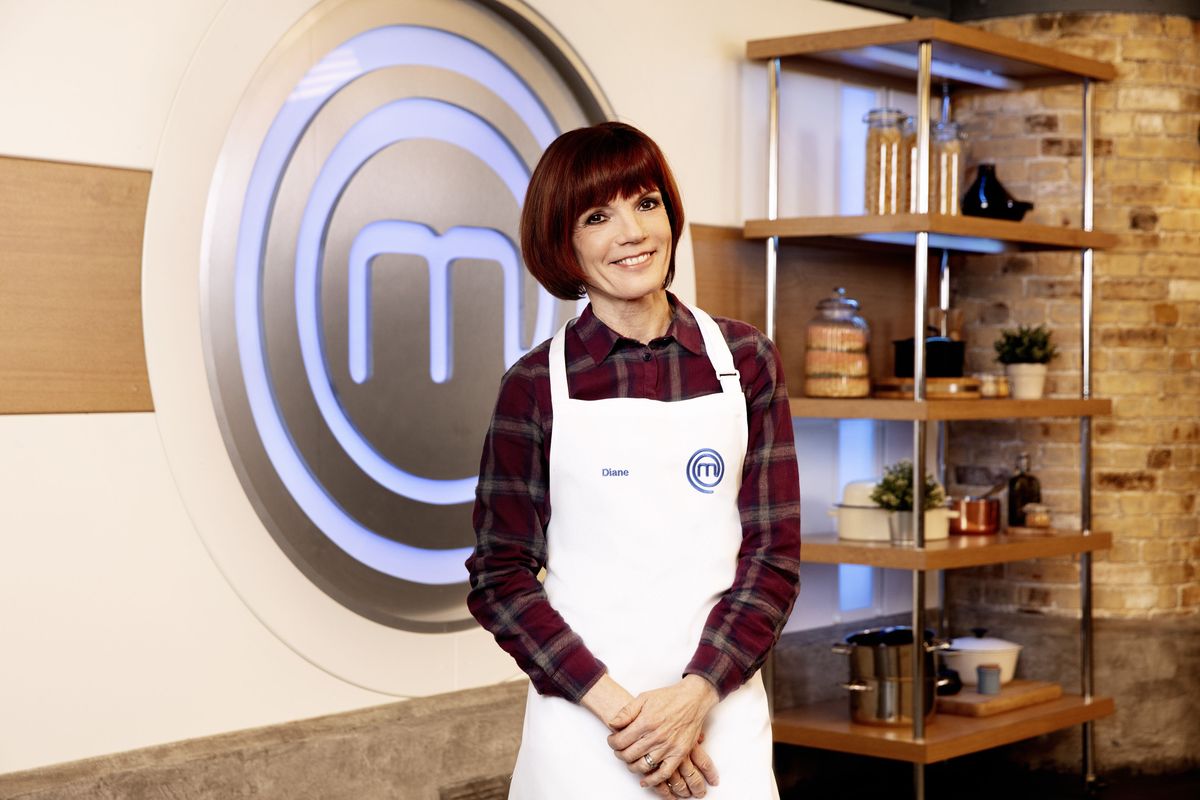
(986, 197)
(1023, 488)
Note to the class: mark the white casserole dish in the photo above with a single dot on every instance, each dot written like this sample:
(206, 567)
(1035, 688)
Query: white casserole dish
(966, 653)
(858, 519)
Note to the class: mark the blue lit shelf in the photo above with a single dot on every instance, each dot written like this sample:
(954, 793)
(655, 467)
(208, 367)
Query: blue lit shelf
(958, 233)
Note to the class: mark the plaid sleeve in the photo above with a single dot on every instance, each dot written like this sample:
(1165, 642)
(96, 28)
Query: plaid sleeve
(510, 516)
(747, 621)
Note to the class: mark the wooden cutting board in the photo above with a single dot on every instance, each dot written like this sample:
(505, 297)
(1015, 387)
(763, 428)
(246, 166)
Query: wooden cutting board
(935, 388)
(1015, 694)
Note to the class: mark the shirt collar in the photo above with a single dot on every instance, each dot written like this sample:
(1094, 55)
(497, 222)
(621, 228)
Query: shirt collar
(599, 340)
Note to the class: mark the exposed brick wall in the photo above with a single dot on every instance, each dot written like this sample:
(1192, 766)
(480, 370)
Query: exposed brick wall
(1146, 353)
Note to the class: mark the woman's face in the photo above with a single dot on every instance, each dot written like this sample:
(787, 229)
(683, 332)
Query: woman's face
(624, 247)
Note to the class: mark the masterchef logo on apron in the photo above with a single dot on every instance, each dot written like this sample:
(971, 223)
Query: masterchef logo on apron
(705, 469)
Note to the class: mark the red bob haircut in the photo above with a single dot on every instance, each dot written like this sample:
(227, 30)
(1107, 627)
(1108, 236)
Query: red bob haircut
(583, 168)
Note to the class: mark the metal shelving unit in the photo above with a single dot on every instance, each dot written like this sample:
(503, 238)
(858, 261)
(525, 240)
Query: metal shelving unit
(976, 59)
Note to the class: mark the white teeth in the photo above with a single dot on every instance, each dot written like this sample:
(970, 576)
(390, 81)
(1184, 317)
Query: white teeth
(633, 261)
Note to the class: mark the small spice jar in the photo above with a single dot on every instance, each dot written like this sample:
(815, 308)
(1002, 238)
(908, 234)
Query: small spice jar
(992, 385)
(1036, 515)
(836, 363)
(987, 679)
(885, 164)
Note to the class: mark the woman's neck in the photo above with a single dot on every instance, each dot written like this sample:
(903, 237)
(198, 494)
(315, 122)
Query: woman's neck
(642, 320)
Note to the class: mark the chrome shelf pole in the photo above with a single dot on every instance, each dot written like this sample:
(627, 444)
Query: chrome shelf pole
(772, 269)
(920, 301)
(1086, 660)
(772, 190)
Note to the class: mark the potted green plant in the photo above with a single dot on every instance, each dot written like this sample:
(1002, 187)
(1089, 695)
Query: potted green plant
(1025, 352)
(894, 492)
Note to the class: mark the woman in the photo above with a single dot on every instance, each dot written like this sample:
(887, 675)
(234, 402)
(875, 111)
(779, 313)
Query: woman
(644, 458)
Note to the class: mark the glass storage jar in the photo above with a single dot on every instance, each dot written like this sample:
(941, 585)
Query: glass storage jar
(835, 358)
(945, 167)
(908, 174)
(884, 165)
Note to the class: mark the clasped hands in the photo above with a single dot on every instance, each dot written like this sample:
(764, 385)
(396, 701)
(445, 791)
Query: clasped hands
(666, 725)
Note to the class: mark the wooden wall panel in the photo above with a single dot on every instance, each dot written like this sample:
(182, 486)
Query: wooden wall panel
(731, 282)
(70, 288)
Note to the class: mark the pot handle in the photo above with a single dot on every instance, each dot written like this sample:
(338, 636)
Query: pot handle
(855, 686)
(840, 649)
(936, 645)
(942, 682)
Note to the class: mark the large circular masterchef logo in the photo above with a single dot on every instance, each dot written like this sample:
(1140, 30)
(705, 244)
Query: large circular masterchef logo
(364, 292)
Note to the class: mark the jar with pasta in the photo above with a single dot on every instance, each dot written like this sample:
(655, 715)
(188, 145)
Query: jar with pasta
(835, 358)
(885, 164)
(908, 172)
(945, 168)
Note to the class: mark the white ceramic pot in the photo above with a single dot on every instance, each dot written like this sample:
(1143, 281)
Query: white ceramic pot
(860, 523)
(858, 518)
(1026, 381)
(966, 653)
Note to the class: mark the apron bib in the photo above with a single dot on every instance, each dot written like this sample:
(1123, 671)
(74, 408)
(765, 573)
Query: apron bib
(643, 540)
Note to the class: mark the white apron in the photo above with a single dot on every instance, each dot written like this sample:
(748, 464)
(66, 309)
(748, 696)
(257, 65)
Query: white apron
(643, 540)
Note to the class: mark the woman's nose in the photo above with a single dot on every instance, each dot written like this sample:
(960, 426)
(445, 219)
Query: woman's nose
(629, 227)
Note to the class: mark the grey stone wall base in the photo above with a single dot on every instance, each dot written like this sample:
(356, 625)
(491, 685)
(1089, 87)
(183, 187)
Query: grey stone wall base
(462, 746)
(1151, 667)
(459, 745)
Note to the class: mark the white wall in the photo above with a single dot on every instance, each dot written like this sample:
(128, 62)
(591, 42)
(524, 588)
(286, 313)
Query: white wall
(101, 653)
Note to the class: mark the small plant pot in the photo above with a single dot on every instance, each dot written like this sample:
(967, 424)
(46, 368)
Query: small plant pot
(900, 525)
(1027, 381)
(902, 531)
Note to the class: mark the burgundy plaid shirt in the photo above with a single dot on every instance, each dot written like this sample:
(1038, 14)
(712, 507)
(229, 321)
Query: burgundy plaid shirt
(512, 506)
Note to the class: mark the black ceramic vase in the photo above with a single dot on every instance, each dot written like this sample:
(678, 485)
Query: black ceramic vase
(988, 198)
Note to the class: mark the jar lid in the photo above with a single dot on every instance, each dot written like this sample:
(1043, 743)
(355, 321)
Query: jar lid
(889, 116)
(983, 645)
(946, 131)
(838, 301)
(980, 643)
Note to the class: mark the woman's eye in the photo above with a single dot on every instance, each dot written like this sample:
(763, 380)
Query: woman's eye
(593, 219)
(649, 203)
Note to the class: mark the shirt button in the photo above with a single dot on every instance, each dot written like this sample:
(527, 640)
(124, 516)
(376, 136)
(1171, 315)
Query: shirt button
(645, 356)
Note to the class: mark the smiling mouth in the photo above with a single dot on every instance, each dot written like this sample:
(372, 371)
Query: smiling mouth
(634, 261)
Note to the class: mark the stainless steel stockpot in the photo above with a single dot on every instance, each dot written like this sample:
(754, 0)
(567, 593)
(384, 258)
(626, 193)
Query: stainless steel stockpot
(881, 682)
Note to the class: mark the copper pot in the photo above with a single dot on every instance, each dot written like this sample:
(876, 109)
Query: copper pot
(976, 515)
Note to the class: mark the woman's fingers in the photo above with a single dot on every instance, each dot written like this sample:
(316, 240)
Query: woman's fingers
(705, 765)
(692, 779)
(670, 717)
(625, 716)
(676, 786)
(662, 791)
(664, 771)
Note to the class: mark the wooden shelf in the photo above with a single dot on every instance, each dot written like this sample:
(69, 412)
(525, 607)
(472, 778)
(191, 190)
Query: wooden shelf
(827, 726)
(984, 408)
(952, 553)
(960, 233)
(961, 54)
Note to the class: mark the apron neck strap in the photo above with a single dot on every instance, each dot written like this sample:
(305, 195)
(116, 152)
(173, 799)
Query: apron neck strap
(714, 344)
(718, 352)
(559, 393)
